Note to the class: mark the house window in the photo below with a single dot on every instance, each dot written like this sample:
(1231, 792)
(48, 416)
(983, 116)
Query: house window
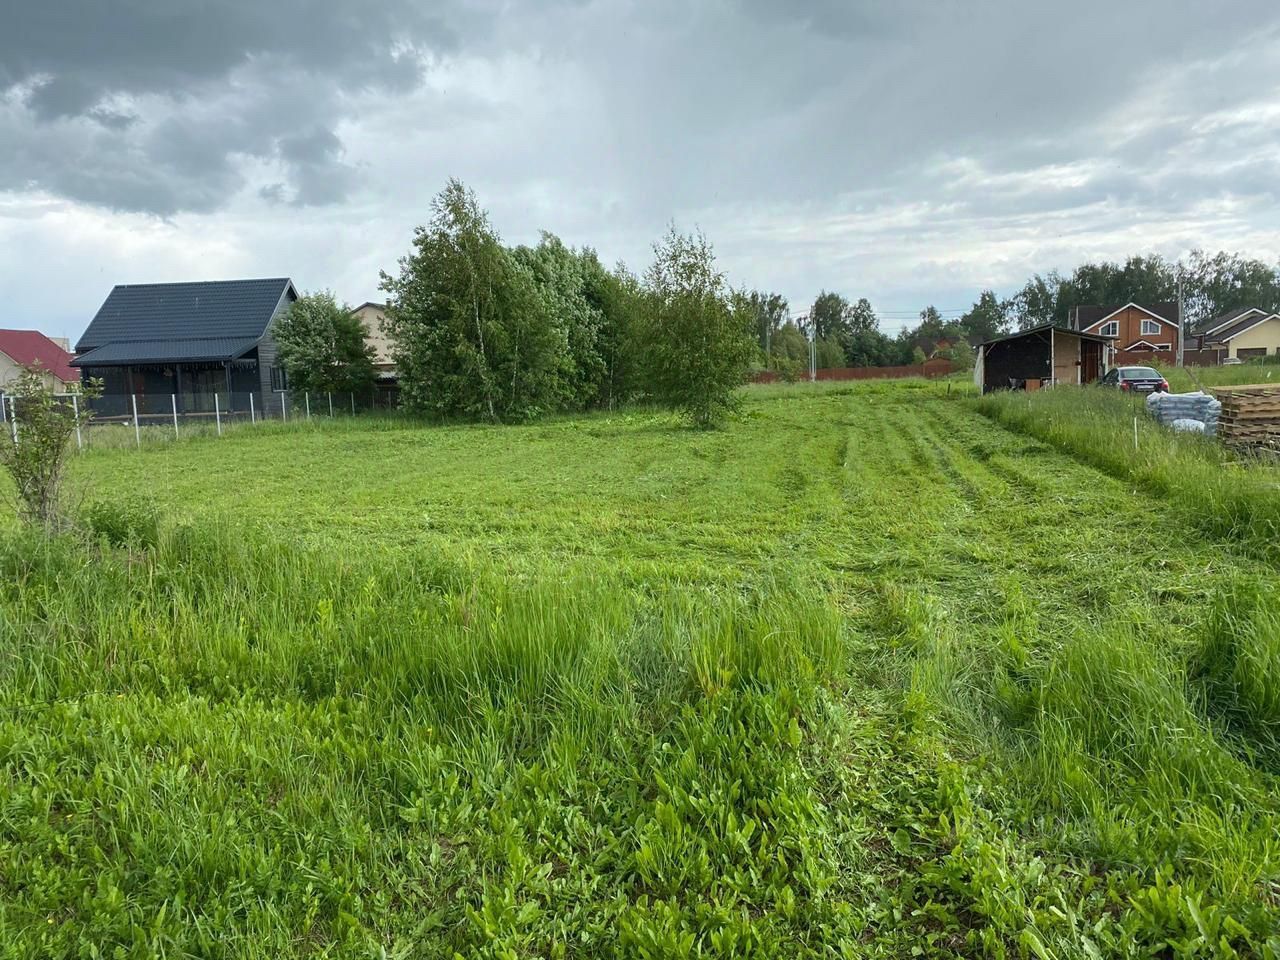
(1150, 326)
(1110, 329)
(279, 379)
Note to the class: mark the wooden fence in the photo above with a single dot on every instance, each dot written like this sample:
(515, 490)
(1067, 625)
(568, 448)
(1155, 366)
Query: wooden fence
(937, 367)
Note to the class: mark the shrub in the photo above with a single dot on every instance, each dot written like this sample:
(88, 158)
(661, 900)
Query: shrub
(35, 452)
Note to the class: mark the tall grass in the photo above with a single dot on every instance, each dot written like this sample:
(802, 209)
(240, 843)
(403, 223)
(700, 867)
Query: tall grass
(1208, 487)
(230, 749)
(863, 675)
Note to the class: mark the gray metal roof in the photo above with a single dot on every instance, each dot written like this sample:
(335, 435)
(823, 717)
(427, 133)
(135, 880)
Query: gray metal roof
(1247, 322)
(192, 349)
(1222, 319)
(215, 309)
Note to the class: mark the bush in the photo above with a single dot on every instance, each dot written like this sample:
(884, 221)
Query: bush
(126, 522)
(35, 452)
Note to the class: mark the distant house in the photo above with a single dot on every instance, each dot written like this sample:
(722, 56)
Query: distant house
(374, 316)
(21, 349)
(1133, 327)
(931, 347)
(1241, 334)
(1040, 357)
(191, 341)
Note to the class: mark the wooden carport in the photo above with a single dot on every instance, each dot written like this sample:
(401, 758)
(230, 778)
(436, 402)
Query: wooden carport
(1040, 357)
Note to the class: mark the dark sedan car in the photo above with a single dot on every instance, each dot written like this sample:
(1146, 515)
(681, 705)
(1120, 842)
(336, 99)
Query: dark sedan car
(1136, 380)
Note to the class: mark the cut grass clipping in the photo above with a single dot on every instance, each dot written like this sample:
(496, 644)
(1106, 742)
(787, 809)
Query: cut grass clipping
(864, 675)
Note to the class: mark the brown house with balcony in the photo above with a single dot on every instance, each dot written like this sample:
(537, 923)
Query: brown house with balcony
(1135, 329)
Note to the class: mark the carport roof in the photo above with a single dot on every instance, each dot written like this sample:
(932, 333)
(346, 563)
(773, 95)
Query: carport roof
(190, 350)
(1049, 326)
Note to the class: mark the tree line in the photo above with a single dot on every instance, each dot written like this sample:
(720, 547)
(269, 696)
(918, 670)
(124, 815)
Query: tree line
(847, 333)
(481, 330)
(486, 331)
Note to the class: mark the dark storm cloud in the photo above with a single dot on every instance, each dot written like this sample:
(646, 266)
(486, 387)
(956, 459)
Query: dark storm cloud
(172, 96)
(825, 143)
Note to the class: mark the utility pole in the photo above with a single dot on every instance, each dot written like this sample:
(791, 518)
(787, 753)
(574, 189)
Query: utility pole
(1182, 340)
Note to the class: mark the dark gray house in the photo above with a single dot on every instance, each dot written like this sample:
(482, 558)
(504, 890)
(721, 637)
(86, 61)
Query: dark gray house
(189, 341)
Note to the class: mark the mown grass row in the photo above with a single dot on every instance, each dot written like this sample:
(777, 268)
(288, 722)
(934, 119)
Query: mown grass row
(1136, 732)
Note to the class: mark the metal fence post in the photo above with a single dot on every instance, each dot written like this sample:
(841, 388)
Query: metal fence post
(75, 411)
(173, 400)
(331, 406)
(137, 434)
(306, 398)
(217, 414)
(353, 403)
(252, 416)
(284, 405)
(13, 420)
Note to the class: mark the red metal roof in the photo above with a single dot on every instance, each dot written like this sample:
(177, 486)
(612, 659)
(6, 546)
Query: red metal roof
(31, 348)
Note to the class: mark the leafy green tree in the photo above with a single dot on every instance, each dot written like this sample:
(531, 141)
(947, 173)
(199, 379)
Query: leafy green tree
(1224, 281)
(931, 324)
(961, 354)
(562, 275)
(620, 297)
(698, 346)
(987, 318)
(324, 346)
(861, 318)
(472, 328)
(770, 312)
(1037, 303)
(829, 316)
(830, 354)
(790, 343)
(37, 442)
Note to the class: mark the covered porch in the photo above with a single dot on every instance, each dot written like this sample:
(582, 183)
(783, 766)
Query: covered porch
(160, 388)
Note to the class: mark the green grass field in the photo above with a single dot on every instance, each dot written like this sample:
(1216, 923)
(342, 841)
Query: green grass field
(880, 670)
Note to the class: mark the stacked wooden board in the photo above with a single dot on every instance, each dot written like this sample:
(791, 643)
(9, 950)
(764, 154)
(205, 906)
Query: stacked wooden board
(1250, 414)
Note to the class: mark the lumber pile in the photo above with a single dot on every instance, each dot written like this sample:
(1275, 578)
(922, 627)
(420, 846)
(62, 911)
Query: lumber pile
(1250, 414)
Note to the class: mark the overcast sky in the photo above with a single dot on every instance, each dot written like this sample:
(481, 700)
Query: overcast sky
(911, 152)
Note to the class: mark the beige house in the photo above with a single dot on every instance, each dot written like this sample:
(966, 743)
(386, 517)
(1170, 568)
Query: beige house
(1242, 334)
(374, 316)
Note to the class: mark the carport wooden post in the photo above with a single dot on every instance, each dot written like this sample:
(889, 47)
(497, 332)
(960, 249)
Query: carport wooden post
(137, 434)
(75, 412)
(217, 414)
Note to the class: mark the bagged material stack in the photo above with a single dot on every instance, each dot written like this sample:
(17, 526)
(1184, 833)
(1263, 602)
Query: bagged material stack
(1168, 407)
(1250, 414)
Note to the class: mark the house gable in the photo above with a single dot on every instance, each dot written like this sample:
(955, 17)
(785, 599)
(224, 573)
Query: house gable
(1130, 306)
(30, 348)
(1242, 327)
(1228, 319)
